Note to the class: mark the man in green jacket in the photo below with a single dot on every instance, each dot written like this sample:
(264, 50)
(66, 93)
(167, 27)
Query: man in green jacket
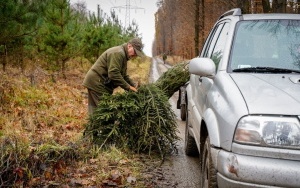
(110, 71)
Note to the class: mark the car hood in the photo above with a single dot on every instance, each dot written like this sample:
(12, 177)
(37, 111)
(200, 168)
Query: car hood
(269, 93)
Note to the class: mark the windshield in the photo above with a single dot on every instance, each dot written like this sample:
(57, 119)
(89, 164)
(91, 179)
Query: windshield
(266, 43)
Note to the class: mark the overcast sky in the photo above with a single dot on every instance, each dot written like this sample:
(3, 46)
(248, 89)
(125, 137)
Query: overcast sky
(142, 11)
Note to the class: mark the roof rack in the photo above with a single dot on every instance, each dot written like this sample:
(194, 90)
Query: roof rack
(233, 12)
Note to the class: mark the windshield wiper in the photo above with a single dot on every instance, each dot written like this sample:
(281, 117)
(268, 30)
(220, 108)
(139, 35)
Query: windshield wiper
(266, 69)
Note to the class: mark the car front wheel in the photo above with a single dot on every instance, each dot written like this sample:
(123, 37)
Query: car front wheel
(208, 172)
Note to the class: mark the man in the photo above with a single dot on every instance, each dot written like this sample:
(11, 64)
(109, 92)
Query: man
(110, 71)
(164, 57)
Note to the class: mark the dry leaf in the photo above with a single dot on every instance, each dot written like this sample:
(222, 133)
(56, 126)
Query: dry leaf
(85, 182)
(59, 167)
(48, 175)
(123, 161)
(92, 161)
(19, 171)
(116, 176)
(131, 179)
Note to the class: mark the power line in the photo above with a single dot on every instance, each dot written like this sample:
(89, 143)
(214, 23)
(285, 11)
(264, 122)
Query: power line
(128, 7)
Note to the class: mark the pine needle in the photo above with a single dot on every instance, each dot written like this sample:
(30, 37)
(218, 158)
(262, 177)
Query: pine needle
(143, 121)
(171, 80)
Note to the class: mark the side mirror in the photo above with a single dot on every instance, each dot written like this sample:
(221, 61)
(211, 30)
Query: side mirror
(202, 67)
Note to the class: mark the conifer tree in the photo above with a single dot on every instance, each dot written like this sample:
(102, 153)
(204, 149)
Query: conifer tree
(19, 21)
(142, 121)
(60, 34)
(104, 32)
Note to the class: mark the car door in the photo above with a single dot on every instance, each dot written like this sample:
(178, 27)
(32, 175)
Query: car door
(213, 49)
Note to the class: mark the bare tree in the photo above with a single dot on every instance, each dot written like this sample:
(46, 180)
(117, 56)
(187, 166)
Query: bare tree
(183, 26)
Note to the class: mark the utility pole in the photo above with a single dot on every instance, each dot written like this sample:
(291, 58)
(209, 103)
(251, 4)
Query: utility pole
(128, 7)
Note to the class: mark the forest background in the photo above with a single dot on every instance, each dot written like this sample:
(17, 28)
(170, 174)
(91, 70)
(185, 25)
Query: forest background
(52, 32)
(46, 47)
(181, 27)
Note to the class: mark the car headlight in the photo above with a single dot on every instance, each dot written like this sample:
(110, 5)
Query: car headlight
(268, 131)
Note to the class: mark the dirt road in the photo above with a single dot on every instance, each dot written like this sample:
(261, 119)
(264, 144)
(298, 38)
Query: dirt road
(178, 170)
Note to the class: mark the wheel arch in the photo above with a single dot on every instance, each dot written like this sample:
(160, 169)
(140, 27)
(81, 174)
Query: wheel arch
(209, 128)
(212, 128)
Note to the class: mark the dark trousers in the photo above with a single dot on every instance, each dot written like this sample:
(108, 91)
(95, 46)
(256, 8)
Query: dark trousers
(93, 100)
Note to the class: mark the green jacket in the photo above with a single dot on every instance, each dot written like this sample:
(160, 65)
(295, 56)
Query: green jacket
(109, 71)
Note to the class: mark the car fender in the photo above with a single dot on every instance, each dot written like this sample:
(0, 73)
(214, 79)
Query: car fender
(212, 127)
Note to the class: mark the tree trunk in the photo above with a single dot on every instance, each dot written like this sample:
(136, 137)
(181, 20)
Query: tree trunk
(63, 68)
(279, 6)
(266, 6)
(4, 59)
(244, 5)
(21, 58)
(201, 24)
(197, 26)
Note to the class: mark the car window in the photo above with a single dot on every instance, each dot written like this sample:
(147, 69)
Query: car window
(212, 40)
(217, 53)
(266, 43)
(217, 43)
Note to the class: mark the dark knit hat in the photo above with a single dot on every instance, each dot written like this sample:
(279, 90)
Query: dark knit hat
(138, 46)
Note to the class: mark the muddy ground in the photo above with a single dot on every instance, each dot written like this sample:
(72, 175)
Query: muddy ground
(178, 170)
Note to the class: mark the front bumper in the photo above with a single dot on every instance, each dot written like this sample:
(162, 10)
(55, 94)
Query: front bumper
(236, 170)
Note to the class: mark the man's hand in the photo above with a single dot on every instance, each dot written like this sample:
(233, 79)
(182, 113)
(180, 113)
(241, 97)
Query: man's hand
(133, 88)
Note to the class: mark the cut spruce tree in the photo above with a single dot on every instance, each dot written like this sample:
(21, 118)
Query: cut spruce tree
(171, 80)
(142, 121)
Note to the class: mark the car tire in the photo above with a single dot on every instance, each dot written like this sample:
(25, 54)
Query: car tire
(190, 146)
(208, 172)
(183, 112)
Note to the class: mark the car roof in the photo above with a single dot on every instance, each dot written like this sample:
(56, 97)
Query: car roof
(263, 16)
(271, 16)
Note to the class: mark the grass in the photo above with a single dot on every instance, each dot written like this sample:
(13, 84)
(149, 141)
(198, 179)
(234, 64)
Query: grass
(41, 125)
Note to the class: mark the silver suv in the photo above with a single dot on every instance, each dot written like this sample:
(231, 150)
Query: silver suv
(243, 102)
